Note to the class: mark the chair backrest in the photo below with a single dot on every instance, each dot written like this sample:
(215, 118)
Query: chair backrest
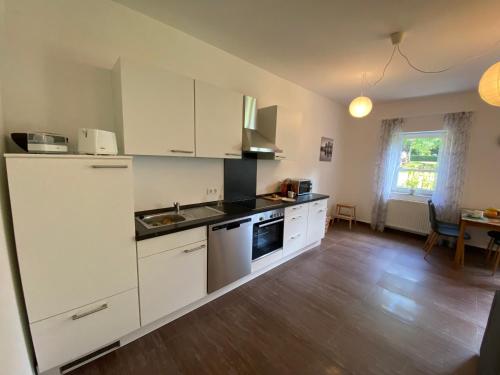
(432, 215)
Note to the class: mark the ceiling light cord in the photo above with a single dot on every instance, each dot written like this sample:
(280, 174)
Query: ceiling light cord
(413, 66)
(420, 69)
(385, 68)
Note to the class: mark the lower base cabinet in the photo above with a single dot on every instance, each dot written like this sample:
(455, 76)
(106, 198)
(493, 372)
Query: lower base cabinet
(295, 230)
(304, 225)
(171, 280)
(64, 337)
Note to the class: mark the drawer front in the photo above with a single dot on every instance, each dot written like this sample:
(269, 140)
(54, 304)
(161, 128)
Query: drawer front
(70, 335)
(294, 241)
(319, 204)
(300, 209)
(170, 241)
(267, 260)
(171, 280)
(296, 219)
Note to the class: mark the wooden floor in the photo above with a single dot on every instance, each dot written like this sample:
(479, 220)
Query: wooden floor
(362, 303)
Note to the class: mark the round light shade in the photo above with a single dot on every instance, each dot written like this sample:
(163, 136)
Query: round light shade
(360, 106)
(489, 85)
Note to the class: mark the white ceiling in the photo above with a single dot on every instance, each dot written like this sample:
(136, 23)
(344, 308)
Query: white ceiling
(326, 45)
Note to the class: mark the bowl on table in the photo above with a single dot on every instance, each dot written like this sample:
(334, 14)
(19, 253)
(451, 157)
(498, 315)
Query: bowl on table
(492, 213)
(474, 214)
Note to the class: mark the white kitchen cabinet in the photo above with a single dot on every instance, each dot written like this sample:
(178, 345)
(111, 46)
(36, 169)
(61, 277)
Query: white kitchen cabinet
(295, 228)
(172, 279)
(72, 334)
(316, 221)
(74, 228)
(288, 127)
(219, 121)
(154, 110)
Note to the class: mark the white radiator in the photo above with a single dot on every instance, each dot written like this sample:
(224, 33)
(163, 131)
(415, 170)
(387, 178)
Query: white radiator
(408, 216)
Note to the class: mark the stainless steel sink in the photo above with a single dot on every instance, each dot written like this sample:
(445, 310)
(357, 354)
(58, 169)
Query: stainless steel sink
(169, 218)
(160, 220)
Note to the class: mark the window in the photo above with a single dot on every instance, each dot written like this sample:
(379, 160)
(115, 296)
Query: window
(417, 170)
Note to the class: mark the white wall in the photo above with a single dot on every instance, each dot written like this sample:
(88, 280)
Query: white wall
(14, 350)
(481, 188)
(58, 78)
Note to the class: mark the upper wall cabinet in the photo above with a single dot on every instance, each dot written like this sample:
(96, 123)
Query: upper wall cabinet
(219, 121)
(154, 110)
(287, 124)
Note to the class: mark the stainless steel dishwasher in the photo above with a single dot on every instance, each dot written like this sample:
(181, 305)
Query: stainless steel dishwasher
(229, 252)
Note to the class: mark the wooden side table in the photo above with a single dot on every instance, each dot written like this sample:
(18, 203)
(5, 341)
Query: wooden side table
(345, 212)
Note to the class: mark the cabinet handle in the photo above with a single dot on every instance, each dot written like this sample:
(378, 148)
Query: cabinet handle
(232, 154)
(280, 157)
(296, 217)
(296, 236)
(110, 166)
(295, 208)
(97, 309)
(187, 251)
(182, 151)
(321, 210)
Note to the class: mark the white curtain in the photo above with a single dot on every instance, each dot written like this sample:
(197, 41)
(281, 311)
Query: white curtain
(451, 170)
(388, 160)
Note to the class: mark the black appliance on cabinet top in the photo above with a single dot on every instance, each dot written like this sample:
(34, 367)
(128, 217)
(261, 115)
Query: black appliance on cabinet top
(267, 233)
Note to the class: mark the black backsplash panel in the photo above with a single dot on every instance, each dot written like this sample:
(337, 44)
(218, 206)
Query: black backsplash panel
(240, 178)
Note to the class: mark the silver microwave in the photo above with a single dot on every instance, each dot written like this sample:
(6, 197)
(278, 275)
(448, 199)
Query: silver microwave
(302, 186)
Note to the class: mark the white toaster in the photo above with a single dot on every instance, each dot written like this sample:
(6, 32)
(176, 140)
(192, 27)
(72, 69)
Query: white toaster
(96, 142)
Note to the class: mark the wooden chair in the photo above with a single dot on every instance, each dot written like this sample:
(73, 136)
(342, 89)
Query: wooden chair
(496, 262)
(440, 228)
(345, 212)
(494, 236)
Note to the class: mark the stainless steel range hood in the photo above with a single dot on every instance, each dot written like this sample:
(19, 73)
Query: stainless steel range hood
(257, 139)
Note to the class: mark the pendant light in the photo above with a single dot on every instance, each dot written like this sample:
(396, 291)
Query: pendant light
(362, 105)
(489, 85)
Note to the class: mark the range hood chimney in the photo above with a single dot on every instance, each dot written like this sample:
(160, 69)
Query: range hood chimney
(260, 140)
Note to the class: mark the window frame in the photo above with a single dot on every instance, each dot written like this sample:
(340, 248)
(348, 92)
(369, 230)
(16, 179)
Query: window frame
(411, 135)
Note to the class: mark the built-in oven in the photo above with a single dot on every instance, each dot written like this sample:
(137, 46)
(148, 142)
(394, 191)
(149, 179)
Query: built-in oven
(267, 233)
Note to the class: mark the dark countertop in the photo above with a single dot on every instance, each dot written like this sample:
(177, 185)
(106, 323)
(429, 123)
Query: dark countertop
(143, 233)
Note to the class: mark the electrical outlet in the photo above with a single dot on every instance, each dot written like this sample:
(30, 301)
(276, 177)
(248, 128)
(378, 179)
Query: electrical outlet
(211, 190)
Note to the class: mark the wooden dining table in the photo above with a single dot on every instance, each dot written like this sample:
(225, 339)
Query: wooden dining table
(468, 221)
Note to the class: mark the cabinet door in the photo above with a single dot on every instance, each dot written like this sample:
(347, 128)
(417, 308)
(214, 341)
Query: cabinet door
(219, 122)
(316, 221)
(157, 110)
(74, 228)
(287, 134)
(171, 280)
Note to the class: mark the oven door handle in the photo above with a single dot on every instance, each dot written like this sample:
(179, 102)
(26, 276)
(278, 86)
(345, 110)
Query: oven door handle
(271, 223)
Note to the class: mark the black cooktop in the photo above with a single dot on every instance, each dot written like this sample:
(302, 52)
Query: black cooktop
(247, 204)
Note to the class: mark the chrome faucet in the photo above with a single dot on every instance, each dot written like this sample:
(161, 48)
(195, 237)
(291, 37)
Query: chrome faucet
(177, 207)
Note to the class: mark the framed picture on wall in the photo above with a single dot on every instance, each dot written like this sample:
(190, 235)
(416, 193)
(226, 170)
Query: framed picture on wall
(326, 149)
